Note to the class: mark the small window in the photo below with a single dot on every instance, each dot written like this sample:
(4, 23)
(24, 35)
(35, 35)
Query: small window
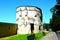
(20, 15)
(25, 15)
(35, 15)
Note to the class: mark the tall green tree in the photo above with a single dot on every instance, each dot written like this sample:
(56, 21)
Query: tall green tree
(46, 26)
(55, 21)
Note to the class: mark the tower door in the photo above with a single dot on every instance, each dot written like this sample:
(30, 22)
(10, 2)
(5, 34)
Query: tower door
(32, 27)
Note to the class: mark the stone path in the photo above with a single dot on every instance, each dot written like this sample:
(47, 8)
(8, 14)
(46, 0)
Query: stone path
(50, 36)
(58, 35)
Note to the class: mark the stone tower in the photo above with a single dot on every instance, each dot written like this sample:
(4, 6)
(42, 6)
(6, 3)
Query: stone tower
(29, 19)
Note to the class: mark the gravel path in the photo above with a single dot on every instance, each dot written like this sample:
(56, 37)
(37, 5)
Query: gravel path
(50, 36)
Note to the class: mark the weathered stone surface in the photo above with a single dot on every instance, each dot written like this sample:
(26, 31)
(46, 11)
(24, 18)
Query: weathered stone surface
(28, 19)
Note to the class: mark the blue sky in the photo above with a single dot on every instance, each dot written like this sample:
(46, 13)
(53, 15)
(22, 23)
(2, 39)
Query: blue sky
(8, 9)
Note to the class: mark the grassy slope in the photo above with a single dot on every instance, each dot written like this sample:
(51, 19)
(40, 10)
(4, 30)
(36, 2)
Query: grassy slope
(22, 37)
(38, 36)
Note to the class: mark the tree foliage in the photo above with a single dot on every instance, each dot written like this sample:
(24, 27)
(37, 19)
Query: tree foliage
(55, 21)
(46, 26)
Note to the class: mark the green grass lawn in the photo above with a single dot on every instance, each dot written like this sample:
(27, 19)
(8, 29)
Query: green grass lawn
(38, 36)
(23, 37)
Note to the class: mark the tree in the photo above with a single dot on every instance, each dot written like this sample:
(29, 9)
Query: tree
(58, 1)
(46, 26)
(55, 21)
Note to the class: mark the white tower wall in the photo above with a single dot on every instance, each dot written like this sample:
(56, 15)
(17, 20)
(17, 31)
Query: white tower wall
(25, 16)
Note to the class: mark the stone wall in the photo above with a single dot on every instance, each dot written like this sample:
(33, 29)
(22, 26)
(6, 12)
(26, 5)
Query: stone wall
(7, 29)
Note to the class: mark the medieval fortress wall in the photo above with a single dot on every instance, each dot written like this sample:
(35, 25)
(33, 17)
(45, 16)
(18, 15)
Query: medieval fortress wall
(28, 19)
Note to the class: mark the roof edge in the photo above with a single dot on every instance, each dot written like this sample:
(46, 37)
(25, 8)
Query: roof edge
(29, 6)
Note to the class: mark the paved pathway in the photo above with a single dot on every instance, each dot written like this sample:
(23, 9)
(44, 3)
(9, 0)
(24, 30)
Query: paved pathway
(58, 35)
(50, 36)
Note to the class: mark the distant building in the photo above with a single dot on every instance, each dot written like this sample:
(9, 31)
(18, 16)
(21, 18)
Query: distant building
(7, 29)
(29, 19)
